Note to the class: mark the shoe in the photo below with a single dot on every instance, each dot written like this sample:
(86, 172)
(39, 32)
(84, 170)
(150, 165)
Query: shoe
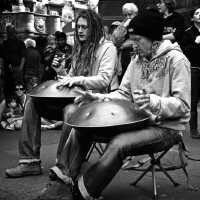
(77, 194)
(23, 169)
(56, 190)
(194, 134)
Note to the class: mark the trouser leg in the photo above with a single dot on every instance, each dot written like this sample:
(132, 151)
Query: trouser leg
(30, 137)
(99, 175)
(63, 138)
(66, 129)
(73, 154)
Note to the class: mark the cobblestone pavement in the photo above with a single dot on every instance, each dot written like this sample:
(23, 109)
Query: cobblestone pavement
(119, 189)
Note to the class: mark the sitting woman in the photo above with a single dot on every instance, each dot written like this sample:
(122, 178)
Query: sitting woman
(13, 113)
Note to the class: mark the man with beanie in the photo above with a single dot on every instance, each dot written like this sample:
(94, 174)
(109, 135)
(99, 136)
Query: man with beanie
(157, 81)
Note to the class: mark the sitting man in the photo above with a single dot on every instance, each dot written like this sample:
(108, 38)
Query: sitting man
(158, 82)
(93, 65)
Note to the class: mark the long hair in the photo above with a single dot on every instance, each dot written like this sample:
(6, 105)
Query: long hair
(84, 53)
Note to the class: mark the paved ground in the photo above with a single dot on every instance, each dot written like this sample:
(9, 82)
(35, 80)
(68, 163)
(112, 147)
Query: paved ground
(119, 189)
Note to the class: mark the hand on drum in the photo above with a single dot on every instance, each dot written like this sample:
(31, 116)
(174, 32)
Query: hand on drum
(70, 81)
(85, 97)
(141, 99)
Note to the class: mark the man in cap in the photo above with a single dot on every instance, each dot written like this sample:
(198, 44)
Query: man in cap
(157, 81)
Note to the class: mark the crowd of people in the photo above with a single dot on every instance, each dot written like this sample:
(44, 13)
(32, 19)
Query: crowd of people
(150, 58)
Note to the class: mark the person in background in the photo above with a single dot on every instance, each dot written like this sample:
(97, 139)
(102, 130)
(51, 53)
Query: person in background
(14, 112)
(32, 65)
(109, 30)
(48, 55)
(57, 60)
(174, 22)
(41, 42)
(190, 45)
(121, 40)
(93, 63)
(129, 10)
(164, 96)
(14, 59)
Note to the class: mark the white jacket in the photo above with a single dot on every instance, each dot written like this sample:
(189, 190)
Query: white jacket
(167, 79)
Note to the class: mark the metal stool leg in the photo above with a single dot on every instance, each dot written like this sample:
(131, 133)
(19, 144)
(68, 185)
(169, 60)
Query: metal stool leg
(167, 175)
(99, 149)
(155, 196)
(141, 176)
(90, 151)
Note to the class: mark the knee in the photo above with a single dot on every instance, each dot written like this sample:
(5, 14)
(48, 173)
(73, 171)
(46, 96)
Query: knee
(118, 145)
(69, 110)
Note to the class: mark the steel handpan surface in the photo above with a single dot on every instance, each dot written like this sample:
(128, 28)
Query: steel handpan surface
(49, 89)
(115, 115)
(49, 93)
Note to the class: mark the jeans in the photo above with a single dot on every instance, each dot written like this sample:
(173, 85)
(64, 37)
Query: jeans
(30, 137)
(99, 175)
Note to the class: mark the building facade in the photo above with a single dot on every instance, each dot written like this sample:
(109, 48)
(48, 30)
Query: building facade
(42, 17)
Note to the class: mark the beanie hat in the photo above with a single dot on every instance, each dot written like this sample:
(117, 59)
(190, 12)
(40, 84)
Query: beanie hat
(148, 23)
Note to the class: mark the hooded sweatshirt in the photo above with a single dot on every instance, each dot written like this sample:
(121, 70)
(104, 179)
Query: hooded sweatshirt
(103, 77)
(167, 79)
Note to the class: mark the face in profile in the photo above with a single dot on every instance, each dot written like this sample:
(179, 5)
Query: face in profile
(144, 44)
(196, 16)
(82, 29)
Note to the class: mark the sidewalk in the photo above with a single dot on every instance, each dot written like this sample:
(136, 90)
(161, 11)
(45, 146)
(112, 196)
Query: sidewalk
(119, 189)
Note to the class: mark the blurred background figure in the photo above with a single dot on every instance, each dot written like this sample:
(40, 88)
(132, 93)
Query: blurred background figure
(191, 48)
(13, 56)
(14, 111)
(174, 22)
(68, 24)
(93, 4)
(121, 39)
(48, 55)
(129, 10)
(32, 65)
(57, 56)
(62, 58)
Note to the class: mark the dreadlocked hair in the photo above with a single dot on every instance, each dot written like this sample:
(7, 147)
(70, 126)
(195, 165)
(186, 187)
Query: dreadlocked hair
(84, 53)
